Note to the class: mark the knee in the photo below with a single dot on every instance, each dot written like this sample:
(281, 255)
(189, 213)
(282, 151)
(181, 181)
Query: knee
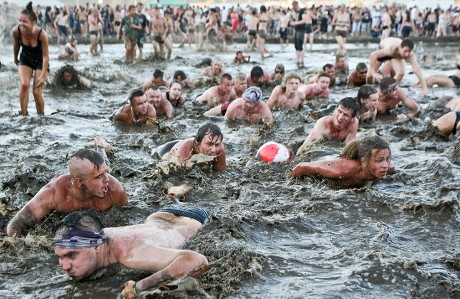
(25, 86)
(37, 92)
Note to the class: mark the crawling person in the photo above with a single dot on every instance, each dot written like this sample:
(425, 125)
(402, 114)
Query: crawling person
(240, 58)
(250, 108)
(357, 78)
(319, 89)
(220, 94)
(137, 112)
(390, 95)
(361, 161)
(208, 141)
(368, 99)
(70, 51)
(287, 95)
(83, 246)
(68, 77)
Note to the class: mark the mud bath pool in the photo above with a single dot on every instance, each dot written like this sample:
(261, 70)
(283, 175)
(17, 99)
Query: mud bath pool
(270, 236)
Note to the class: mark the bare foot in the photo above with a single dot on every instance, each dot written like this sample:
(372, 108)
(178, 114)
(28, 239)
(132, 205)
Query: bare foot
(100, 142)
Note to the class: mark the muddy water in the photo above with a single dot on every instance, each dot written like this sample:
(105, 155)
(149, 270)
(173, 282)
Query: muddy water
(270, 236)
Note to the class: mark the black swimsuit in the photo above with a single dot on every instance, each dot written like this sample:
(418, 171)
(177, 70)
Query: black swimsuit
(384, 58)
(454, 129)
(31, 56)
(456, 80)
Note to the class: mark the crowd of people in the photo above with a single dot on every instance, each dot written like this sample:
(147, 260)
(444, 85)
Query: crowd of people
(83, 245)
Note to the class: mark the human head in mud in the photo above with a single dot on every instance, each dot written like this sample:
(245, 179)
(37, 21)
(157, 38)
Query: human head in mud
(388, 86)
(225, 83)
(77, 243)
(291, 82)
(279, 72)
(346, 110)
(208, 140)
(66, 76)
(153, 95)
(241, 84)
(374, 154)
(251, 99)
(361, 69)
(179, 76)
(330, 70)
(175, 90)
(368, 97)
(89, 173)
(138, 102)
(324, 81)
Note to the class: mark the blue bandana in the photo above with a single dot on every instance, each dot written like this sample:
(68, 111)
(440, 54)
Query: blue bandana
(77, 238)
(253, 94)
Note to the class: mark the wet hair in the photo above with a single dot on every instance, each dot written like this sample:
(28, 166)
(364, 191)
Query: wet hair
(240, 77)
(287, 77)
(361, 66)
(225, 76)
(154, 87)
(257, 72)
(59, 81)
(327, 66)
(134, 94)
(29, 11)
(362, 148)
(386, 82)
(179, 73)
(208, 128)
(350, 103)
(158, 73)
(280, 67)
(94, 157)
(323, 74)
(407, 43)
(365, 92)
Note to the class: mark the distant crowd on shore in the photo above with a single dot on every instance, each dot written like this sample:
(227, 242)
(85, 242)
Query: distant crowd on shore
(188, 22)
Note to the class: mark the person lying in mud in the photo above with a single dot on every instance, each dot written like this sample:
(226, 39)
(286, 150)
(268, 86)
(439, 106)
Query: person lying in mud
(219, 94)
(390, 95)
(137, 112)
(182, 78)
(84, 246)
(208, 141)
(368, 99)
(328, 69)
(174, 94)
(250, 108)
(156, 80)
(240, 58)
(357, 78)
(162, 106)
(278, 74)
(361, 161)
(68, 77)
(88, 185)
(70, 51)
(342, 125)
(287, 95)
(341, 65)
(392, 54)
(448, 124)
(239, 88)
(319, 89)
(215, 70)
(443, 80)
(259, 77)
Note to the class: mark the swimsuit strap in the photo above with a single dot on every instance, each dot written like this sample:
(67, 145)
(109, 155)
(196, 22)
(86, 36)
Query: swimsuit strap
(19, 37)
(38, 36)
(454, 129)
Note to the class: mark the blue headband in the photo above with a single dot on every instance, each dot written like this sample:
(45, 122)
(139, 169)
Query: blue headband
(253, 94)
(77, 238)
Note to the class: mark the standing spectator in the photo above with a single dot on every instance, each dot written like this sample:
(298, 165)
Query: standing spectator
(131, 26)
(357, 19)
(141, 32)
(366, 22)
(407, 25)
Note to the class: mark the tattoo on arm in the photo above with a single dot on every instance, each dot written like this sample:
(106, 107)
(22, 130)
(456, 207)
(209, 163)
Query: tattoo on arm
(21, 220)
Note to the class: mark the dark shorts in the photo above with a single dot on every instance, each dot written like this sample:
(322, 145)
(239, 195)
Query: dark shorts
(159, 39)
(385, 27)
(298, 40)
(284, 34)
(384, 58)
(262, 34)
(63, 31)
(406, 30)
(34, 62)
(431, 26)
(212, 35)
(308, 28)
(93, 32)
(456, 80)
(252, 33)
(140, 41)
(117, 23)
(341, 33)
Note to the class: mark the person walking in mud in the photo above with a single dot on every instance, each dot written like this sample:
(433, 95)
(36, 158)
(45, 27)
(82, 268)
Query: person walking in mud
(144, 22)
(33, 61)
(158, 29)
(341, 21)
(391, 56)
(212, 27)
(262, 33)
(300, 25)
(88, 185)
(130, 25)
(342, 125)
(83, 246)
(169, 33)
(94, 19)
(208, 141)
(361, 161)
(137, 112)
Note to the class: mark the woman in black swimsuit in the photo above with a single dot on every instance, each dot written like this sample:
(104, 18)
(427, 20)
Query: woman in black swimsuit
(33, 60)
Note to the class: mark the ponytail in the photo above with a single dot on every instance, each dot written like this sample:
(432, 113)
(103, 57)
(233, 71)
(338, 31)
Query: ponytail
(29, 11)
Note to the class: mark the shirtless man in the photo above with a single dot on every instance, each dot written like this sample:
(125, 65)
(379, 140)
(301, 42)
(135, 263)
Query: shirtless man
(328, 69)
(320, 89)
(208, 141)
(452, 81)
(287, 95)
(138, 111)
(169, 32)
(341, 64)
(390, 95)
(83, 247)
(386, 23)
(162, 106)
(212, 27)
(342, 125)
(358, 76)
(214, 70)
(393, 51)
(259, 77)
(250, 108)
(158, 28)
(219, 94)
(239, 88)
(156, 80)
(253, 23)
(88, 185)
(93, 21)
(130, 26)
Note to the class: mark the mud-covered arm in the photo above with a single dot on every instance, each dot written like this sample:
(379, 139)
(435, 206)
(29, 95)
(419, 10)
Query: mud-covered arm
(414, 108)
(36, 209)
(331, 169)
(179, 264)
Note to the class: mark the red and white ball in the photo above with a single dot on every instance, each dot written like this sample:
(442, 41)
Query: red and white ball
(274, 152)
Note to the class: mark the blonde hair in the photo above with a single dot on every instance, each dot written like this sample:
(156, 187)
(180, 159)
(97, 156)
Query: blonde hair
(289, 76)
